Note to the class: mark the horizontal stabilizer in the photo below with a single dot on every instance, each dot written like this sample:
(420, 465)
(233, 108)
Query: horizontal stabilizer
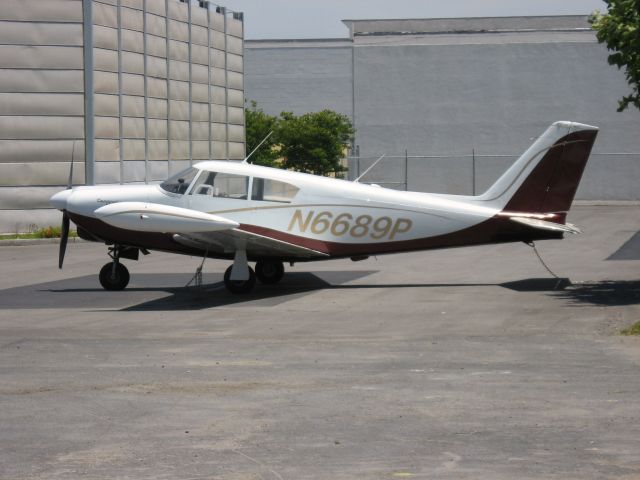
(154, 217)
(544, 225)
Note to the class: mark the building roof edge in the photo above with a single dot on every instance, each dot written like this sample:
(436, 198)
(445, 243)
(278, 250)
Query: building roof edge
(383, 26)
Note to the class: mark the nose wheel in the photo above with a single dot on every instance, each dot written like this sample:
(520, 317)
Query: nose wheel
(114, 275)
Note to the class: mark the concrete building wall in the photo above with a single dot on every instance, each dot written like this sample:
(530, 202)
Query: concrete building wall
(299, 76)
(491, 98)
(445, 87)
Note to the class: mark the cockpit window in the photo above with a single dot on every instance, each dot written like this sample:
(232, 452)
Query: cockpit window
(179, 183)
(216, 184)
(272, 191)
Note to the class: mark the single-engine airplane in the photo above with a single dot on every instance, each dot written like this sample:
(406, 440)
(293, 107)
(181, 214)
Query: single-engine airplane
(249, 213)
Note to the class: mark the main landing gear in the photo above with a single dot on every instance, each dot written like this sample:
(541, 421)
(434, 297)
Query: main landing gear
(114, 275)
(240, 277)
(239, 286)
(268, 272)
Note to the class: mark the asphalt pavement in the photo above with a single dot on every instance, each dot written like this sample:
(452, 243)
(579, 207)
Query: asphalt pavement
(470, 363)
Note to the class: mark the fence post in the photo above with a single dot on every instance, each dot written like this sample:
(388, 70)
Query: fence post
(406, 170)
(473, 171)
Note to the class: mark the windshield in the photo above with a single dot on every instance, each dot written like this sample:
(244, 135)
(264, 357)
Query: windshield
(179, 183)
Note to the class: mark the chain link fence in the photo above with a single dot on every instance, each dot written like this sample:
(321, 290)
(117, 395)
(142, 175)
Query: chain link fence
(474, 173)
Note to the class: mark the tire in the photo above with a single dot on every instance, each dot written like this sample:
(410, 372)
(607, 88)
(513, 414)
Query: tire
(239, 286)
(269, 271)
(111, 280)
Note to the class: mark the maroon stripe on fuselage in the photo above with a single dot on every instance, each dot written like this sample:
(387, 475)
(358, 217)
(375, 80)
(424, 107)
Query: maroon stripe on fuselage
(493, 230)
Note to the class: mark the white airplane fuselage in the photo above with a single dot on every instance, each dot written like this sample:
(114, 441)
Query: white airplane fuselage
(238, 210)
(347, 214)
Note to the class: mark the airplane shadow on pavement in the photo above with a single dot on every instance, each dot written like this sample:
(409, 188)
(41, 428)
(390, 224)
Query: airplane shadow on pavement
(608, 293)
(211, 295)
(166, 292)
(157, 292)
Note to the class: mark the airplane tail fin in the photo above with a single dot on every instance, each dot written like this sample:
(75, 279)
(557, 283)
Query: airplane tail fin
(545, 178)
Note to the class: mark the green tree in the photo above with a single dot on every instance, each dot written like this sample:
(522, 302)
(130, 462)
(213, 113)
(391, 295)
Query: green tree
(258, 126)
(619, 28)
(314, 142)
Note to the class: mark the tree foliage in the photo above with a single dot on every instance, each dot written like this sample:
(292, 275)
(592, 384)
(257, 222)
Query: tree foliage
(619, 28)
(258, 125)
(312, 143)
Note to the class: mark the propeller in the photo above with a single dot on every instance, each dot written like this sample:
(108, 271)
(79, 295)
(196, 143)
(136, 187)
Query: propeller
(64, 229)
(64, 236)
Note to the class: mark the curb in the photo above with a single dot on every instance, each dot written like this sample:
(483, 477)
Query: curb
(22, 242)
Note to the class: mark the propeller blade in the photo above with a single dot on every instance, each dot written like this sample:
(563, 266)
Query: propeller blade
(70, 183)
(64, 236)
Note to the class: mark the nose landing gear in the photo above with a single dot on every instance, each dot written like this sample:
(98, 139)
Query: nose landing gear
(114, 275)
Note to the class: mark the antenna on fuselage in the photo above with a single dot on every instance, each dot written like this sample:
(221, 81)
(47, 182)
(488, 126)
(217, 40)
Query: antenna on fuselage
(367, 170)
(259, 145)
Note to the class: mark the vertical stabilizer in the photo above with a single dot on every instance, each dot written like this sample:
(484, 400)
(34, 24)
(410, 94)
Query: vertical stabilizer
(545, 178)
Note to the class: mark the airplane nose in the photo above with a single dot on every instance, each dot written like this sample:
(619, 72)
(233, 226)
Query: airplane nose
(59, 200)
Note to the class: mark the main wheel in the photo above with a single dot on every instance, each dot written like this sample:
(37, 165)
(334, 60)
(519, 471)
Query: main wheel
(239, 286)
(269, 271)
(111, 279)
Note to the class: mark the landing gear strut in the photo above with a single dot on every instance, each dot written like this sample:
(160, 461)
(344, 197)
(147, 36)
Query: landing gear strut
(114, 275)
(269, 271)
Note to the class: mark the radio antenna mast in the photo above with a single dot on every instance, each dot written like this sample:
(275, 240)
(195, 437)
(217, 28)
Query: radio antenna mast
(259, 145)
(372, 165)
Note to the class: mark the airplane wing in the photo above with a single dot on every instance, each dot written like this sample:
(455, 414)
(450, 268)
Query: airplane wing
(198, 230)
(256, 245)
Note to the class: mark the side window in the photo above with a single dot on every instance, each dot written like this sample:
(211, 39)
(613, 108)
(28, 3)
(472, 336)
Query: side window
(216, 184)
(272, 191)
(203, 184)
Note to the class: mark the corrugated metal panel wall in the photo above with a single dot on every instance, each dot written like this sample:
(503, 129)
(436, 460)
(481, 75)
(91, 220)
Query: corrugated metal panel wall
(167, 90)
(41, 99)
